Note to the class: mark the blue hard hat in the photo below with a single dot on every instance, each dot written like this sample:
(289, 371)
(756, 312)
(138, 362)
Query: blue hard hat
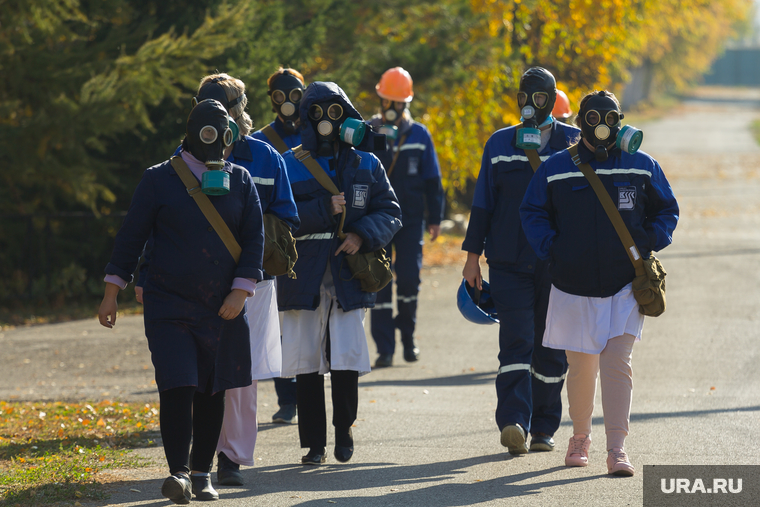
(476, 306)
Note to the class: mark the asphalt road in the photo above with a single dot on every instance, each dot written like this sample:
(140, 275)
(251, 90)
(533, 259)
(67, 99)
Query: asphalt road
(426, 433)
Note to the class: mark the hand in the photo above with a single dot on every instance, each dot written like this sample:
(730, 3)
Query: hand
(351, 244)
(138, 294)
(233, 304)
(471, 271)
(107, 310)
(338, 201)
(435, 231)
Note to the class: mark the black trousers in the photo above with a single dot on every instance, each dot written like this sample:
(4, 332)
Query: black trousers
(188, 414)
(312, 416)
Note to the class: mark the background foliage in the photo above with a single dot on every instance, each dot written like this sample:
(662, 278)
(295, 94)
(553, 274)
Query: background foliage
(95, 92)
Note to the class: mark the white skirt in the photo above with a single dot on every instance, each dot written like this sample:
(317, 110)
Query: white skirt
(266, 350)
(584, 324)
(304, 337)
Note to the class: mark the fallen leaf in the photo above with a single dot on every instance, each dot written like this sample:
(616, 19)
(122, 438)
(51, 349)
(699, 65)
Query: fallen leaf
(712, 388)
(78, 494)
(133, 490)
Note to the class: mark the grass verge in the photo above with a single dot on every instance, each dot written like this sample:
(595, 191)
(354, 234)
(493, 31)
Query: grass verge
(755, 127)
(54, 452)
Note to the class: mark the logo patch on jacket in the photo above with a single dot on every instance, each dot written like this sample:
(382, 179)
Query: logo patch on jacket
(414, 163)
(361, 192)
(626, 197)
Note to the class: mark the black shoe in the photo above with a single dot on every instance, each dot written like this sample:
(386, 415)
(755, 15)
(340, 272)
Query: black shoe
(541, 442)
(384, 361)
(344, 446)
(288, 414)
(227, 471)
(178, 488)
(202, 488)
(315, 456)
(411, 352)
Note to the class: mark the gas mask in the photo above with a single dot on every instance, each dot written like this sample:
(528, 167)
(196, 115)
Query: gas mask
(286, 93)
(392, 112)
(209, 131)
(331, 125)
(536, 97)
(601, 127)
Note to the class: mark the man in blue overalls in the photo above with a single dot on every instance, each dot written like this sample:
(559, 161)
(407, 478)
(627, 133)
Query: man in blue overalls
(412, 167)
(530, 377)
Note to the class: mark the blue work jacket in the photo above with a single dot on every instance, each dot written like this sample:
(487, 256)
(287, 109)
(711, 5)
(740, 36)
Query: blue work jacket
(191, 272)
(565, 221)
(504, 176)
(416, 176)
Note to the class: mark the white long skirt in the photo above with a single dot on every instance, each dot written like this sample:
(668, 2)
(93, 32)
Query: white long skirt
(304, 337)
(584, 324)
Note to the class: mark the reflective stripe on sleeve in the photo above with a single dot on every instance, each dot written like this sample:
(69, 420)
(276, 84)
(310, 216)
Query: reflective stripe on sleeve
(383, 306)
(407, 299)
(412, 146)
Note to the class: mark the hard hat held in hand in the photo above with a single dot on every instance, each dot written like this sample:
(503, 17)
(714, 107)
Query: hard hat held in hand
(396, 85)
(562, 106)
(476, 306)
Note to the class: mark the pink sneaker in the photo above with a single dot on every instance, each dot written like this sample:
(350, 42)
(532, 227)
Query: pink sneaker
(618, 463)
(577, 451)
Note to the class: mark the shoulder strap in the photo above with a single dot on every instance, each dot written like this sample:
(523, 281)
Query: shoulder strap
(208, 209)
(395, 156)
(275, 139)
(533, 157)
(611, 210)
(304, 156)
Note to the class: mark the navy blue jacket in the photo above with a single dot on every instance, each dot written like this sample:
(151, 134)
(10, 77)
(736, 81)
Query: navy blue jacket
(372, 212)
(504, 176)
(416, 177)
(564, 220)
(191, 272)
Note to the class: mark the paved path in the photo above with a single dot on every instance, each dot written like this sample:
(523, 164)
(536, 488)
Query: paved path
(426, 434)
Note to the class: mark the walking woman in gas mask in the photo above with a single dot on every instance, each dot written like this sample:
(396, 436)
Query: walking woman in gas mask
(195, 289)
(593, 314)
(324, 308)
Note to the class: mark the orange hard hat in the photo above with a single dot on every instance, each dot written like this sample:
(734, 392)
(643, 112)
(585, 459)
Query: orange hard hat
(562, 106)
(396, 85)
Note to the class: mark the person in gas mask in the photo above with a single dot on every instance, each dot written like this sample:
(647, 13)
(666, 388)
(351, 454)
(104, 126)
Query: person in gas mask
(323, 320)
(194, 291)
(285, 90)
(592, 313)
(412, 166)
(239, 431)
(530, 376)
